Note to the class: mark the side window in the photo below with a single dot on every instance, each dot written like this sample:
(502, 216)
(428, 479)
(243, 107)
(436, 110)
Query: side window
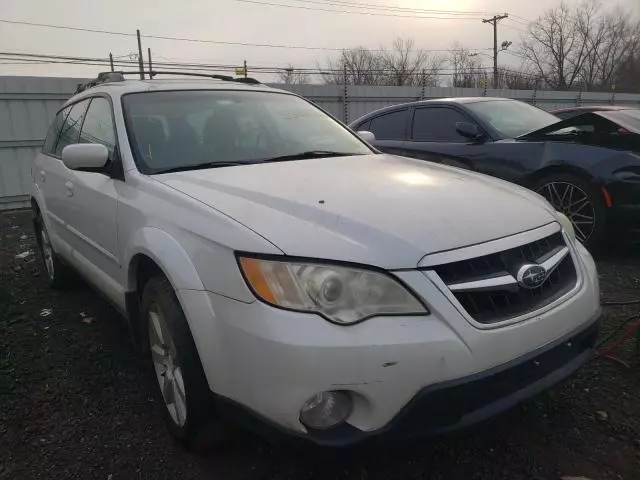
(70, 132)
(98, 125)
(49, 146)
(390, 126)
(437, 124)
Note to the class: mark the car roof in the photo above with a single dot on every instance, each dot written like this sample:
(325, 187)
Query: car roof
(592, 108)
(433, 101)
(117, 89)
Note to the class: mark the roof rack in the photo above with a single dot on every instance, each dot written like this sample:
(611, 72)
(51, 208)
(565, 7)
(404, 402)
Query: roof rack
(111, 77)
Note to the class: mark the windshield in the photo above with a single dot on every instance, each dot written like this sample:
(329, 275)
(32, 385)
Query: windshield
(179, 130)
(512, 118)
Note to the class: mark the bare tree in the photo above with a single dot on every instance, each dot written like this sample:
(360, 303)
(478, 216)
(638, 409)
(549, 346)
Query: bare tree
(555, 46)
(628, 73)
(403, 64)
(467, 70)
(516, 79)
(291, 76)
(406, 65)
(361, 66)
(610, 38)
(583, 45)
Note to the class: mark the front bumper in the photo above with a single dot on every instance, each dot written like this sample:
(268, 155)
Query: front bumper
(270, 361)
(457, 404)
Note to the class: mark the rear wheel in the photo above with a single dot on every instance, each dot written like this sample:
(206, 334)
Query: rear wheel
(59, 275)
(580, 202)
(176, 368)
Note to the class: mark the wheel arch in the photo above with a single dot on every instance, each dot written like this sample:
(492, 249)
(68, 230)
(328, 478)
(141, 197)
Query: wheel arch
(155, 252)
(154, 246)
(558, 169)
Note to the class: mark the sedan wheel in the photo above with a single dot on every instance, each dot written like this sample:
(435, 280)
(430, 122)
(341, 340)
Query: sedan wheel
(575, 203)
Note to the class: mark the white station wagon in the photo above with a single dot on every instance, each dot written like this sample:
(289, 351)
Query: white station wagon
(273, 265)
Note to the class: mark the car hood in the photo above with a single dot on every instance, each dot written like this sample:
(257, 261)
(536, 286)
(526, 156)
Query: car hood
(595, 119)
(373, 209)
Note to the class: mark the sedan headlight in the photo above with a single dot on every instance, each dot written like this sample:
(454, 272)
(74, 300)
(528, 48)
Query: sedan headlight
(343, 295)
(566, 224)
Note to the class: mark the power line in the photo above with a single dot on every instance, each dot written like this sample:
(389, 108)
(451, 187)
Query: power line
(196, 40)
(344, 3)
(270, 4)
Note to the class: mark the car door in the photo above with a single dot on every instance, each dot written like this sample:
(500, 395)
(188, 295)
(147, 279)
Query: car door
(92, 197)
(390, 129)
(51, 175)
(433, 137)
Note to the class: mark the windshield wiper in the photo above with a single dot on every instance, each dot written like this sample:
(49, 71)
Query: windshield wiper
(281, 158)
(202, 166)
(308, 155)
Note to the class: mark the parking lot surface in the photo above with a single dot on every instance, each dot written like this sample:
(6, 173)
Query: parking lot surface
(76, 401)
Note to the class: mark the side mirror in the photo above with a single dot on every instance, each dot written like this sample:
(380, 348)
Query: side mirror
(85, 156)
(468, 130)
(366, 136)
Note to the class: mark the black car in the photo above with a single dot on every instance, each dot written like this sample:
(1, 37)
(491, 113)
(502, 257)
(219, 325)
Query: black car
(587, 166)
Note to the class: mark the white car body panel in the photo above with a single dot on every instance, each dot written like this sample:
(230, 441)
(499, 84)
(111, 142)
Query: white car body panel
(408, 208)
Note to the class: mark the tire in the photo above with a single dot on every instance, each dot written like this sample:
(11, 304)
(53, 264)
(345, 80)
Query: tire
(60, 276)
(176, 369)
(587, 212)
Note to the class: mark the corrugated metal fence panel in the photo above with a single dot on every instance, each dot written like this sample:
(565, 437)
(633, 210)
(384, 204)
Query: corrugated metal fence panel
(28, 104)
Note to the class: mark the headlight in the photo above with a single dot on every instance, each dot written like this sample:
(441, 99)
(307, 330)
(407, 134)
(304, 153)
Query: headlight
(343, 295)
(566, 224)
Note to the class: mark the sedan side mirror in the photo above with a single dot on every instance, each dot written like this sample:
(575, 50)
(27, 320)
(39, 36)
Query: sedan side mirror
(85, 156)
(468, 130)
(366, 136)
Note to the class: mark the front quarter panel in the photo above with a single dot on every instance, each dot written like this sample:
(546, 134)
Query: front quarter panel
(192, 243)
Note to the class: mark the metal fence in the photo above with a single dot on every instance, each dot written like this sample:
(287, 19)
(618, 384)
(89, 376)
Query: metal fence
(28, 104)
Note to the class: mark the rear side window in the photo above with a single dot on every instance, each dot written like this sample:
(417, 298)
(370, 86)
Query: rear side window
(437, 124)
(54, 132)
(70, 132)
(98, 125)
(390, 126)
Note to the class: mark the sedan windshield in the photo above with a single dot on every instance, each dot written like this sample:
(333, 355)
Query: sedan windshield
(183, 130)
(512, 118)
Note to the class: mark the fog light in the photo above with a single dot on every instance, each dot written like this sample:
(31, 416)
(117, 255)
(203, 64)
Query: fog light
(326, 410)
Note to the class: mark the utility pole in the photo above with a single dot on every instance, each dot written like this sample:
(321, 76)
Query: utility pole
(494, 21)
(140, 60)
(245, 69)
(111, 60)
(150, 64)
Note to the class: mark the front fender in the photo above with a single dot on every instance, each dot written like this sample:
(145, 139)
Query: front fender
(168, 254)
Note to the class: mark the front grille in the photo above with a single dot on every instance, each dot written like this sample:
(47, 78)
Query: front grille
(498, 304)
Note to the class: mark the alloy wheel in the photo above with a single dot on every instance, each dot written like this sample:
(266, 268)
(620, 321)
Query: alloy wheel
(574, 203)
(47, 253)
(166, 366)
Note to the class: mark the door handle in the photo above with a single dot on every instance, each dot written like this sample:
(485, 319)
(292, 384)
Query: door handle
(43, 177)
(69, 189)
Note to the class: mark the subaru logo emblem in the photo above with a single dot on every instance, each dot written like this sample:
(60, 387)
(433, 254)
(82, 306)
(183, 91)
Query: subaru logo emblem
(531, 276)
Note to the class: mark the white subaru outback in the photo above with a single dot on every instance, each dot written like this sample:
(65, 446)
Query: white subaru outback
(274, 265)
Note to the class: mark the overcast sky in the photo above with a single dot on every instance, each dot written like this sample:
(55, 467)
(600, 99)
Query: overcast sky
(236, 21)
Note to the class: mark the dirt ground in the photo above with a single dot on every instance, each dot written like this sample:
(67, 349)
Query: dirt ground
(76, 402)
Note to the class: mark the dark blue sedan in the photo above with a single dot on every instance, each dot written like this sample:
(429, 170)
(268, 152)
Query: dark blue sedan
(587, 166)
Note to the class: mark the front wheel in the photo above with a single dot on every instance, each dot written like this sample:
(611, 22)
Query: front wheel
(177, 370)
(580, 202)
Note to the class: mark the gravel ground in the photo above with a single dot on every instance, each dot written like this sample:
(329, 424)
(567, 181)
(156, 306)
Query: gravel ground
(76, 402)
